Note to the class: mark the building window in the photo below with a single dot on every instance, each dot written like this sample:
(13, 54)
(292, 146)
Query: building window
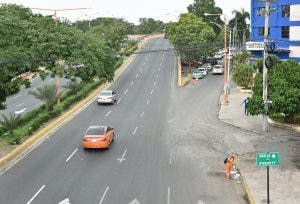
(285, 32)
(261, 11)
(261, 31)
(286, 11)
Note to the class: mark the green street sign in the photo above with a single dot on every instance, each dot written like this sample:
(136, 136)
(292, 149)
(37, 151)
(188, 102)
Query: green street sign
(267, 159)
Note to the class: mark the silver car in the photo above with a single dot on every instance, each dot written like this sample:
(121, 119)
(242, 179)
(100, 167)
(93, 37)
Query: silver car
(107, 97)
(218, 69)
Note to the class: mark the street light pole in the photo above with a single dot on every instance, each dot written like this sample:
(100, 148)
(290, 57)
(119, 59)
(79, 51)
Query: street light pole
(265, 70)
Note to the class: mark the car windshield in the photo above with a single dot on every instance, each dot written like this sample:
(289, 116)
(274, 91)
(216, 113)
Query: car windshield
(105, 93)
(201, 69)
(217, 67)
(96, 131)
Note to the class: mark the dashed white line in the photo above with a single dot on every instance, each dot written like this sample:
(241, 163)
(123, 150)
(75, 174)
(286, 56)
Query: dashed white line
(170, 160)
(154, 83)
(169, 192)
(131, 83)
(107, 114)
(144, 63)
(20, 105)
(156, 75)
(119, 101)
(151, 92)
(140, 69)
(104, 194)
(148, 102)
(136, 76)
(17, 96)
(71, 155)
(135, 130)
(142, 114)
(125, 92)
(36, 194)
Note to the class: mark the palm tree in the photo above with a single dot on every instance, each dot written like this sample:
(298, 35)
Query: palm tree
(46, 93)
(239, 22)
(11, 122)
(73, 86)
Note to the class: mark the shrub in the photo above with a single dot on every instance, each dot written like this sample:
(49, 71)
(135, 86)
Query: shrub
(243, 75)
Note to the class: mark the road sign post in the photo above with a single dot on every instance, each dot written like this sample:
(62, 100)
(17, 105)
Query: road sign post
(267, 159)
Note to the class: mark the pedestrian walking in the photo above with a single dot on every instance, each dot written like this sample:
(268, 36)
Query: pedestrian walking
(246, 103)
(229, 162)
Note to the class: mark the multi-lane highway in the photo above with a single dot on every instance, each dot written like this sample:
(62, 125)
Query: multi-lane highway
(168, 146)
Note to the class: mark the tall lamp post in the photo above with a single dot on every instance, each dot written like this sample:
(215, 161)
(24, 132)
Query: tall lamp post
(225, 56)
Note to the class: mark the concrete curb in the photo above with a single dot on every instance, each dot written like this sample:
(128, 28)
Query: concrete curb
(248, 191)
(295, 128)
(48, 129)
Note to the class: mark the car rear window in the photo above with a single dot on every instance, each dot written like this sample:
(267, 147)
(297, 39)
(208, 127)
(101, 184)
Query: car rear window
(96, 131)
(218, 67)
(105, 93)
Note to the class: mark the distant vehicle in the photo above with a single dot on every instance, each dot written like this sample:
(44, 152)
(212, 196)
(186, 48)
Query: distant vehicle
(197, 74)
(107, 97)
(208, 66)
(218, 69)
(203, 70)
(98, 137)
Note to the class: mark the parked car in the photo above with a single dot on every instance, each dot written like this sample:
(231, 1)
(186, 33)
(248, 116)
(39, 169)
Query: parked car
(218, 69)
(203, 70)
(107, 97)
(98, 137)
(197, 74)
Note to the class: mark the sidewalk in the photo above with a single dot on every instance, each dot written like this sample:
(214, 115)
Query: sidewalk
(285, 179)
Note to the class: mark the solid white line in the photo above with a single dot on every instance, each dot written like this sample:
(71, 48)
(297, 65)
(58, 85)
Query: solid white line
(35, 195)
(20, 104)
(125, 92)
(103, 196)
(135, 130)
(119, 101)
(151, 91)
(169, 192)
(71, 155)
(148, 102)
(136, 76)
(131, 83)
(142, 115)
(107, 114)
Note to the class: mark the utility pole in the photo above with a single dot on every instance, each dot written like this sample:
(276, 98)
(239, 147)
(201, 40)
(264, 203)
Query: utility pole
(228, 66)
(58, 62)
(225, 64)
(265, 70)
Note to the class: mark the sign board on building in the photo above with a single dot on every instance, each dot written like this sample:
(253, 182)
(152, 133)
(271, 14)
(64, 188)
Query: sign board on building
(254, 46)
(267, 159)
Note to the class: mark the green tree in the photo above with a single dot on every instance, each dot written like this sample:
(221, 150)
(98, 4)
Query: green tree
(191, 31)
(283, 90)
(73, 86)
(46, 93)
(149, 26)
(239, 23)
(200, 7)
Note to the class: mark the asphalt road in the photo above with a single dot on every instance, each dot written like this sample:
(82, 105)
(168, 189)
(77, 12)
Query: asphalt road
(22, 102)
(168, 146)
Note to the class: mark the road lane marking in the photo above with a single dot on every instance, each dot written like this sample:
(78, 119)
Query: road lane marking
(140, 69)
(154, 83)
(125, 92)
(169, 192)
(134, 201)
(144, 63)
(135, 130)
(156, 75)
(170, 160)
(71, 155)
(36, 194)
(142, 114)
(151, 92)
(103, 196)
(119, 101)
(18, 96)
(20, 111)
(131, 83)
(148, 102)
(107, 114)
(65, 201)
(21, 104)
(136, 76)
(158, 68)
(123, 156)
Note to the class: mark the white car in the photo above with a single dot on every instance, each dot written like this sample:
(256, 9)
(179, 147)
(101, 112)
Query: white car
(218, 69)
(203, 70)
(107, 97)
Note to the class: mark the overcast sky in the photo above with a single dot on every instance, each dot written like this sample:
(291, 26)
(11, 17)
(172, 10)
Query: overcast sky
(131, 10)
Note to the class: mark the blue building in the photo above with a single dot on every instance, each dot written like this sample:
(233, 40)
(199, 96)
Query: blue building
(284, 28)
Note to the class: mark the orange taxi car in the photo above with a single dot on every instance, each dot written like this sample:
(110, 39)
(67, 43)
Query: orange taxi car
(98, 137)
